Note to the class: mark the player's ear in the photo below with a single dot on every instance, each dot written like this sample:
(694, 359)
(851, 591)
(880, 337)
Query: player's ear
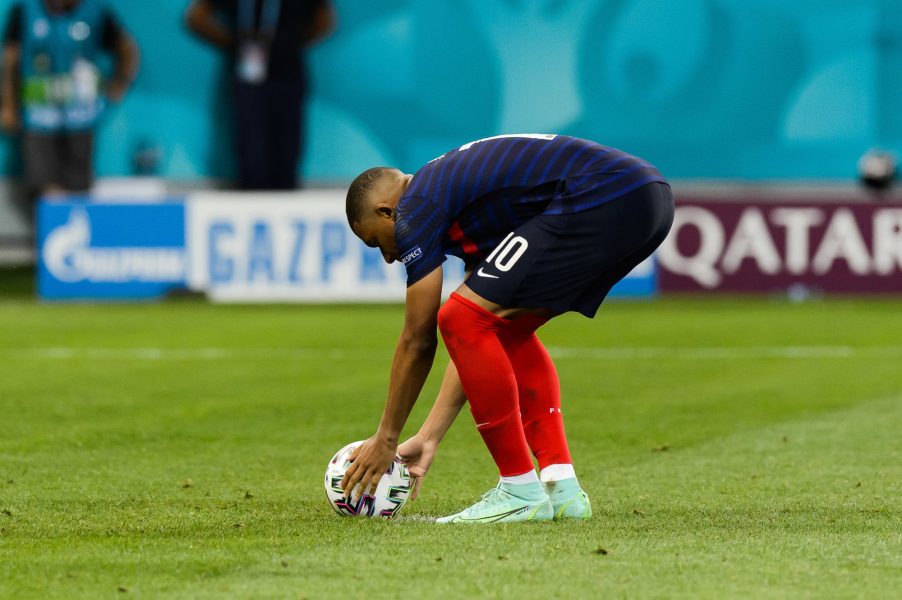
(384, 210)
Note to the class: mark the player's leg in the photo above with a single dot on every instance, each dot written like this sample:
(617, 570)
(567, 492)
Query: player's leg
(539, 392)
(559, 262)
(488, 379)
(471, 333)
(489, 295)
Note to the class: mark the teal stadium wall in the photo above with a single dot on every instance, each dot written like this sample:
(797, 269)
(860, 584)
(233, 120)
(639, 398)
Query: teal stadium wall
(751, 89)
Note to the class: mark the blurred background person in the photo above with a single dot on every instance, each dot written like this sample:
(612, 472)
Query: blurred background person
(265, 40)
(53, 89)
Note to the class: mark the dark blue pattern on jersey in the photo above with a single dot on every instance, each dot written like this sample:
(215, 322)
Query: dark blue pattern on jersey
(466, 201)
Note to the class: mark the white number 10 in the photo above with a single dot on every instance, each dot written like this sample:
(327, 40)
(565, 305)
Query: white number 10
(508, 252)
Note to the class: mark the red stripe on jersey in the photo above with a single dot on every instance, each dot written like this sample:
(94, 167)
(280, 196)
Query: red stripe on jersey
(457, 234)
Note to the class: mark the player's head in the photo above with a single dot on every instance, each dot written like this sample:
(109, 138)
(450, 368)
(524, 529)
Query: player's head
(370, 206)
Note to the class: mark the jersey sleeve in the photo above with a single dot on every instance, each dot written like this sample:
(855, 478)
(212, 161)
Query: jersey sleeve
(419, 227)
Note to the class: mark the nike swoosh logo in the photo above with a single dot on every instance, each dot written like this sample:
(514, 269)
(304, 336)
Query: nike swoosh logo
(493, 518)
(489, 275)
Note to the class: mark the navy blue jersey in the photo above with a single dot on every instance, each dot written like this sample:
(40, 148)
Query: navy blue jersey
(466, 201)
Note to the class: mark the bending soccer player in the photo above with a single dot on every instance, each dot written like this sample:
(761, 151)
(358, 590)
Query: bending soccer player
(545, 224)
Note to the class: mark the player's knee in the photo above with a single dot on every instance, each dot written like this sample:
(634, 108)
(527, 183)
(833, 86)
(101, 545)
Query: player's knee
(461, 321)
(458, 322)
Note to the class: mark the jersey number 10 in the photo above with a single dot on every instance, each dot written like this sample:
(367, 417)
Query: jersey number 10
(508, 252)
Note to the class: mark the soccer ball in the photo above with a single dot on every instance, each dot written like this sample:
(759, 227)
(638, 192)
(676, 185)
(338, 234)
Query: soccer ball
(388, 499)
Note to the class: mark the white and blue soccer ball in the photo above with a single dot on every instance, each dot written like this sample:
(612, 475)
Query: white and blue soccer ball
(386, 502)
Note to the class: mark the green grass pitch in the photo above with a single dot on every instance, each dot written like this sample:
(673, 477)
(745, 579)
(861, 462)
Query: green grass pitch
(732, 448)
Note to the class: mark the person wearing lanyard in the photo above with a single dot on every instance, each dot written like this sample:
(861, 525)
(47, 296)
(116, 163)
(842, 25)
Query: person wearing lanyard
(265, 39)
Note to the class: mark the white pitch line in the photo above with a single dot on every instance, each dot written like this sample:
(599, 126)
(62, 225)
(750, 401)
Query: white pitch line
(714, 353)
(559, 352)
(157, 354)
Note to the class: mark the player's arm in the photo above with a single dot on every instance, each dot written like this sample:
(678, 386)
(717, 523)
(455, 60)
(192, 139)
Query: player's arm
(412, 362)
(451, 398)
(419, 451)
(413, 355)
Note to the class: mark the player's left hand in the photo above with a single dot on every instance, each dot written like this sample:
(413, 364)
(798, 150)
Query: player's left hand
(368, 463)
(418, 453)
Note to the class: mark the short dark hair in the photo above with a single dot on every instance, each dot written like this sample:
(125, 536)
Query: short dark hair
(363, 184)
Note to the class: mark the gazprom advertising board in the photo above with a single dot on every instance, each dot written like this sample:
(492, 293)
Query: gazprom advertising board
(291, 247)
(110, 251)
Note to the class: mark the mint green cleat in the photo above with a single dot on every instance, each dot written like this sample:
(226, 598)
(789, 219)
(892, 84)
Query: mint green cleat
(507, 503)
(568, 499)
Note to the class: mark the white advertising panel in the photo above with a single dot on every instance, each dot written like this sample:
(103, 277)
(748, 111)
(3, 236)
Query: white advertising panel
(287, 247)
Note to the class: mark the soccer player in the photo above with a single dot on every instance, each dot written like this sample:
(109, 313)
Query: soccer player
(545, 224)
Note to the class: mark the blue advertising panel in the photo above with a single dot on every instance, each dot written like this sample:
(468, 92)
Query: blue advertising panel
(110, 251)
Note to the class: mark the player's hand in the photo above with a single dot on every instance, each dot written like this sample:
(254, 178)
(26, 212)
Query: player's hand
(418, 454)
(368, 464)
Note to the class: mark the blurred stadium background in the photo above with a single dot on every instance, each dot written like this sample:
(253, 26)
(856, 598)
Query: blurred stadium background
(768, 103)
(740, 440)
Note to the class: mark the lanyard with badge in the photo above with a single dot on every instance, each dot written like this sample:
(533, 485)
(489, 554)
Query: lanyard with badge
(255, 42)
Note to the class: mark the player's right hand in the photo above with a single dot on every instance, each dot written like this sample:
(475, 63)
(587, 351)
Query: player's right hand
(418, 454)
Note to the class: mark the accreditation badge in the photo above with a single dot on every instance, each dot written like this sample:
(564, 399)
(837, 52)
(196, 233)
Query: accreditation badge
(253, 58)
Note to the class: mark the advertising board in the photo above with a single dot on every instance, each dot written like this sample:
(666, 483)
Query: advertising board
(289, 247)
(110, 251)
(765, 245)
